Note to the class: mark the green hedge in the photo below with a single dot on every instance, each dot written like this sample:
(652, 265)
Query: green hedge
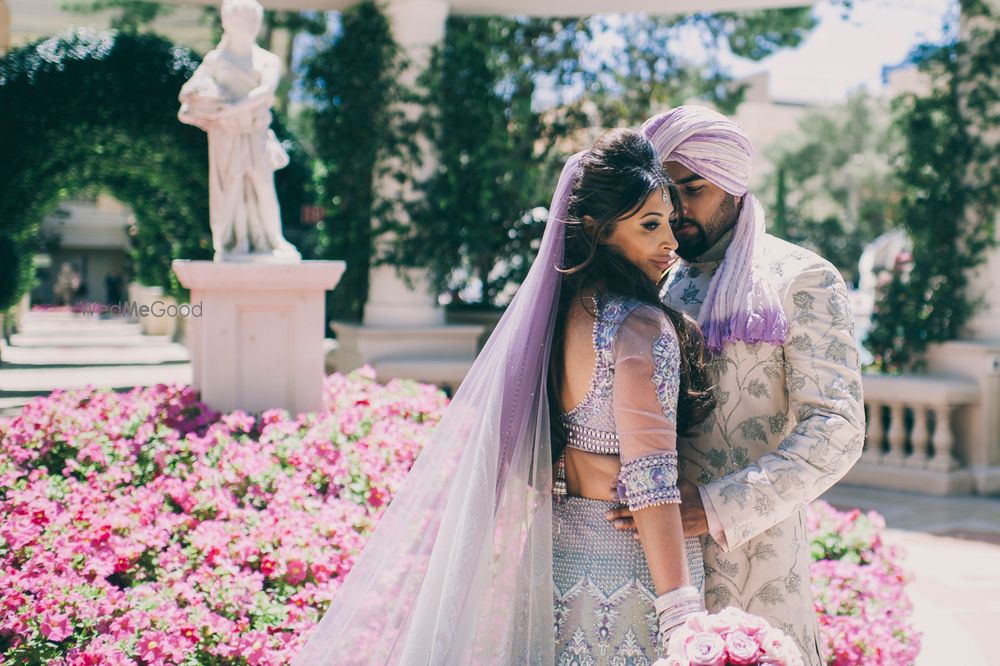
(98, 110)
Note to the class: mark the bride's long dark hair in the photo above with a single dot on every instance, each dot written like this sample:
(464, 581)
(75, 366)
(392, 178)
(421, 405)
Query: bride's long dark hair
(616, 177)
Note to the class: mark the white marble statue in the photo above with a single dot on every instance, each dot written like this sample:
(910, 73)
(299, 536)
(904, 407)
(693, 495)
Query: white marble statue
(230, 97)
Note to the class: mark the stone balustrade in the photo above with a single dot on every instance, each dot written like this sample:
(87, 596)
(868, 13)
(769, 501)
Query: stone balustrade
(911, 435)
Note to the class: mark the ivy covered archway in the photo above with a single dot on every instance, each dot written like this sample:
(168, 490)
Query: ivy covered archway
(99, 110)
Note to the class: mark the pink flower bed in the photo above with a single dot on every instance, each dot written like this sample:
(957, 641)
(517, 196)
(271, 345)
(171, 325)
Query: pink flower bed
(143, 528)
(859, 589)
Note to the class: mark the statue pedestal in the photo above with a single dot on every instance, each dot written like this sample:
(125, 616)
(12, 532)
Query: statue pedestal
(257, 340)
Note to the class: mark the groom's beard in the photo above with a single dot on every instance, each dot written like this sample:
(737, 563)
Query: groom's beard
(695, 238)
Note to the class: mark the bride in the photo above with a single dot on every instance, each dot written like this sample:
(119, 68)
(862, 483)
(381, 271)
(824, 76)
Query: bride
(491, 553)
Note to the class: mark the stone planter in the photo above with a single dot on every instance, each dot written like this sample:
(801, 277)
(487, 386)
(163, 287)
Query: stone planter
(152, 308)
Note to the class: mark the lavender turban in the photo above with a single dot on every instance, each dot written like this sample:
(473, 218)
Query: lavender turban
(741, 303)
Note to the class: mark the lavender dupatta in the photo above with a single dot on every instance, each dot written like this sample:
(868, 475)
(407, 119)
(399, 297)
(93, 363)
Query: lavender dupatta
(459, 568)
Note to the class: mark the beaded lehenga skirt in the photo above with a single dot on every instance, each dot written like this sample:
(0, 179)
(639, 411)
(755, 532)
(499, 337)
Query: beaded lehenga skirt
(603, 593)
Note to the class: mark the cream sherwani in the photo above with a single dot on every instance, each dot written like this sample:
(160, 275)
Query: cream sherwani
(789, 423)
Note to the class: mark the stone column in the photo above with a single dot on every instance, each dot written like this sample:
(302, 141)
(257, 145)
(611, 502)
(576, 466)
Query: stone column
(417, 26)
(403, 332)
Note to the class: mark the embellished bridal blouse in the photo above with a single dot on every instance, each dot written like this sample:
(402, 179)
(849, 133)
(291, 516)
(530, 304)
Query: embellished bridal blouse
(630, 409)
(603, 592)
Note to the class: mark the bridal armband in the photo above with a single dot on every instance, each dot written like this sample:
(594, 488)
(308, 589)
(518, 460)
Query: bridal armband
(649, 481)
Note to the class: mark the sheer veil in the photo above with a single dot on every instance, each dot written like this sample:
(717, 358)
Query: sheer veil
(459, 568)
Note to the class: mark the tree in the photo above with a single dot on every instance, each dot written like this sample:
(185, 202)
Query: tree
(350, 84)
(473, 224)
(951, 192)
(646, 73)
(833, 185)
(509, 98)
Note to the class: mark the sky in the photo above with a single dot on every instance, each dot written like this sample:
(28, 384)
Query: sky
(841, 54)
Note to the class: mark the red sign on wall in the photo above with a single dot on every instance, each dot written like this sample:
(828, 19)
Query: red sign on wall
(312, 214)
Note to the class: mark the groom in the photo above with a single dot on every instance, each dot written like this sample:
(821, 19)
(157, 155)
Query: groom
(790, 418)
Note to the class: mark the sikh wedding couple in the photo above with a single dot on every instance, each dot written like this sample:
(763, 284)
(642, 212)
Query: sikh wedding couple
(637, 441)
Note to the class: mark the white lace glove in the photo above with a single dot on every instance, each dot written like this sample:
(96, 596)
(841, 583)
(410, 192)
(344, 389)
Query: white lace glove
(675, 607)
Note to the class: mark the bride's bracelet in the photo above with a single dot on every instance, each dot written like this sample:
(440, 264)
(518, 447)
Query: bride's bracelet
(681, 595)
(674, 607)
(678, 616)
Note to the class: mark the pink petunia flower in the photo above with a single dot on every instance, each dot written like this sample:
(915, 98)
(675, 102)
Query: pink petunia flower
(296, 571)
(56, 627)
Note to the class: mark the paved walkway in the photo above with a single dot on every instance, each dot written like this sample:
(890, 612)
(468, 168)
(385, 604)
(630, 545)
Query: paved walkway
(74, 350)
(952, 544)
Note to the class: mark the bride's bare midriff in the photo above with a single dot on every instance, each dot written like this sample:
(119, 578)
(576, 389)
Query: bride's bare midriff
(591, 475)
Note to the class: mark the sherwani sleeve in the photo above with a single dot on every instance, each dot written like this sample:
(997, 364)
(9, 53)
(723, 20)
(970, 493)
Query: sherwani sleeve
(823, 385)
(715, 526)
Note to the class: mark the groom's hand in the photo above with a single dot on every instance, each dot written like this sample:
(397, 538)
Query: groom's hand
(692, 513)
(692, 510)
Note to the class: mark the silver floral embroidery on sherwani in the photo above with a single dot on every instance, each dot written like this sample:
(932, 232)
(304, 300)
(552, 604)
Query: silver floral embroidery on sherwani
(788, 424)
(603, 592)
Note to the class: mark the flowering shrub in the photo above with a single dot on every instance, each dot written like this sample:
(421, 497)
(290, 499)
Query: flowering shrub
(143, 528)
(859, 590)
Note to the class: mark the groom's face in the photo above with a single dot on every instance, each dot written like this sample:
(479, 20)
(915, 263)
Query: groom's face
(708, 212)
